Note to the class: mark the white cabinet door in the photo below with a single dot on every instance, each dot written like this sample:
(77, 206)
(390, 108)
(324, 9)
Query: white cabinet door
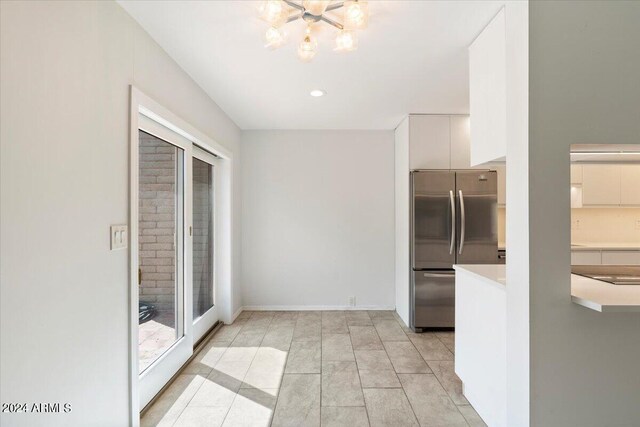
(460, 142)
(429, 142)
(630, 185)
(576, 174)
(487, 93)
(601, 185)
(621, 257)
(502, 184)
(586, 258)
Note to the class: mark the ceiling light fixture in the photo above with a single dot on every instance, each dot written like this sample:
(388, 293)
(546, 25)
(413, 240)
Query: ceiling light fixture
(316, 93)
(279, 12)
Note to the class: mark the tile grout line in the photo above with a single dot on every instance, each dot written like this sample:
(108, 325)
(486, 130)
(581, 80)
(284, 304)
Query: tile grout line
(366, 410)
(254, 356)
(457, 406)
(275, 405)
(433, 373)
(199, 387)
(321, 363)
(230, 343)
(415, 417)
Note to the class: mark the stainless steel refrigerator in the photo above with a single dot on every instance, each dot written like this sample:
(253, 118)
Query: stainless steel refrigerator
(453, 221)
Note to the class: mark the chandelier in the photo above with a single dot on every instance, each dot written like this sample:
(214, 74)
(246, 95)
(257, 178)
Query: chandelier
(277, 13)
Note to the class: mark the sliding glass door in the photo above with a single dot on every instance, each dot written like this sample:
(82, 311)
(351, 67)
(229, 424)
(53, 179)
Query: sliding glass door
(176, 254)
(160, 247)
(203, 251)
(165, 337)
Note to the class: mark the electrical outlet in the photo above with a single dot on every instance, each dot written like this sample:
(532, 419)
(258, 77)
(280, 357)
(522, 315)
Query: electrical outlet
(352, 301)
(119, 237)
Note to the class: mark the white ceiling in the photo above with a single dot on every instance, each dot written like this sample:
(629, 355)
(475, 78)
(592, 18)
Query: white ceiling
(411, 59)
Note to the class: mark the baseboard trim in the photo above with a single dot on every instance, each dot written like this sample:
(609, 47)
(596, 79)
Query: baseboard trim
(313, 307)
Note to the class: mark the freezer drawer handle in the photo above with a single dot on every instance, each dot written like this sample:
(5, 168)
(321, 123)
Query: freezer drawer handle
(437, 275)
(453, 222)
(462, 222)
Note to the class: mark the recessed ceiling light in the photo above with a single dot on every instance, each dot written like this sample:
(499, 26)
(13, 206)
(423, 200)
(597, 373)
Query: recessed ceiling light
(316, 93)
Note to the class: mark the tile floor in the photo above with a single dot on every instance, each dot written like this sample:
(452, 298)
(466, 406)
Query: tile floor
(331, 368)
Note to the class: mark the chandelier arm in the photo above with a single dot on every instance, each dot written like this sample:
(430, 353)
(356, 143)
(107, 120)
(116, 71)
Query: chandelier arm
(294, 17)
(294, 5)
(332, 22)
(334, 6)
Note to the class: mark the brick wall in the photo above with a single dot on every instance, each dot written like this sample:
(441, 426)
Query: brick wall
(157, 252)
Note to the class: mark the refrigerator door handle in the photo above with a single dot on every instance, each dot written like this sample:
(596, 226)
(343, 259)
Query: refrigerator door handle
(452, 240)
(462, 221)
(438, 274)
(412, 225)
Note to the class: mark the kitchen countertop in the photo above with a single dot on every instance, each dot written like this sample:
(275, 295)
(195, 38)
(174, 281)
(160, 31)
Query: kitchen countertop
(604, 297)
(493, 274)
(594, 294)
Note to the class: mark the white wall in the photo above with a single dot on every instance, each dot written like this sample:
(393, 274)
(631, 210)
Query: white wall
(66, 68)
(517, 218)
(318, 218)
(584, 66)
(402, 220)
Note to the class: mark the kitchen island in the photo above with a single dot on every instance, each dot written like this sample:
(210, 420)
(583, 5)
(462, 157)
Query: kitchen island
(480, 340)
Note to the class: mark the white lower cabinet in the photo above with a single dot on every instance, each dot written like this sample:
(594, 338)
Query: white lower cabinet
(576, 174)
(605, 257)
(630, 185)
(621, 257)
(586, 258)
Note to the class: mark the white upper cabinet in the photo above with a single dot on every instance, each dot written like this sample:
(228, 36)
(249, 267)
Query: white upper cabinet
(610, 185)
(460, 142)
(439, 142)
(487, 92)
(600, 185)
(502, 184)
(429, 142)
(630, 185)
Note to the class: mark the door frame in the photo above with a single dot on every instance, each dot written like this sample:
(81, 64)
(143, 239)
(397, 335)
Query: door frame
(142, 107)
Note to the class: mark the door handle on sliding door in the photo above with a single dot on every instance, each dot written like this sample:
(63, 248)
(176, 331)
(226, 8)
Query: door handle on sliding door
(453, 222)
(462, 222)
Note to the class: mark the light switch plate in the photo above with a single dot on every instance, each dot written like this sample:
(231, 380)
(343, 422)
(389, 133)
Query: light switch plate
(119, 237)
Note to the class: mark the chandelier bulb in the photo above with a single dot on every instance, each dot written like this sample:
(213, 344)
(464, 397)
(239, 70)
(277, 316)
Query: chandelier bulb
(274, 38)
(346, 41)
(308, 47)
